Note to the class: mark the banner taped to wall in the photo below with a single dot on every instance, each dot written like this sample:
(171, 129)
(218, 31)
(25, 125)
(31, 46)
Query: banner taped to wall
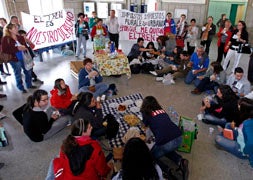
(146, 25)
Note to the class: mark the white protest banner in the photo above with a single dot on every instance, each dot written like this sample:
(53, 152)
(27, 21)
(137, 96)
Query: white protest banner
(51, 29)
(146, 25)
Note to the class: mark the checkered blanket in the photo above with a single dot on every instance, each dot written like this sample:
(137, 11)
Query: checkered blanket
(123, 126)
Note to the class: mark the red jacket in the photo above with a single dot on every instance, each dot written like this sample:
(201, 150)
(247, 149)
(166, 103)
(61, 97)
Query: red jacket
(95, 168)
(94, 29)
(219, 34)
(60, 101)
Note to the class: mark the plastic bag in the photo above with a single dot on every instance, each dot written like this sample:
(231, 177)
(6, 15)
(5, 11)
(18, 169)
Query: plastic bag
(28, 60)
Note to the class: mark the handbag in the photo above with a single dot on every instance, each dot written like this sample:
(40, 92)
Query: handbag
(5, 58)
(244, 48)
(28, 60)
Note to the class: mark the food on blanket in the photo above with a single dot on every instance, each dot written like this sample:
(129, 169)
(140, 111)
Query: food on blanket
(131, 119)
(121, 107)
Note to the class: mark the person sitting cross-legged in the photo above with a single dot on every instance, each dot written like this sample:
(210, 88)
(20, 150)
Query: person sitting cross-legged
(89, 79)
(199, 62)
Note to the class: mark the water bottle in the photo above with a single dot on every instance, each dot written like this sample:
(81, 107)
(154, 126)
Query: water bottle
(112, 47)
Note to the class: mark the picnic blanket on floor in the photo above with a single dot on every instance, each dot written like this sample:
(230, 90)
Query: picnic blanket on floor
(123, 126)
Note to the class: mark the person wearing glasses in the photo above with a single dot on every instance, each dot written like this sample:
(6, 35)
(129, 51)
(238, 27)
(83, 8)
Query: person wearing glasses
(38, 119)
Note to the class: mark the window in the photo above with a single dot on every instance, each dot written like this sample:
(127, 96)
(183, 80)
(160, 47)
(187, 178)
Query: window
(38, 7)
(3, 11)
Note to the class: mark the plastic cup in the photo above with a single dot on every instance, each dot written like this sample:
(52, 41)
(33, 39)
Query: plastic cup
(211, 129)
(200, 116)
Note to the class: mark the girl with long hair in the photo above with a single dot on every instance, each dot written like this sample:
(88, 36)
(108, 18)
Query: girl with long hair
(138, 163)
(222, 108)
(240, 36)
(241, 145)
(14, 44)
(62, 98)
(39, 120)
(80, 157)
(90, 109)
(166, 142)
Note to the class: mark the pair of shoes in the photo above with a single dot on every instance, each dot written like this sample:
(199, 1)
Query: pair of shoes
(3, 95)
(33, 87)
(184, 168)
(159, 78)
(196, 91)
(3, 82)
(153, 72)
(24, 91)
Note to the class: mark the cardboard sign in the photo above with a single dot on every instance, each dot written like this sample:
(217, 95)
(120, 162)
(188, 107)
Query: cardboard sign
(51, 29)
(146, 25)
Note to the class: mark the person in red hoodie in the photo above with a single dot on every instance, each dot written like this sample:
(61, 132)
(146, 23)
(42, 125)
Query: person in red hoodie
(61, 97)
(80, 157)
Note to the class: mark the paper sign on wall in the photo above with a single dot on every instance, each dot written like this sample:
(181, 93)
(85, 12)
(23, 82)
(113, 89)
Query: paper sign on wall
(146, 25)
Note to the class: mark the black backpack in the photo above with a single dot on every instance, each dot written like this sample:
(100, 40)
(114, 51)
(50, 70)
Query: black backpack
(112, 127)
(135, 68)
(146, 67)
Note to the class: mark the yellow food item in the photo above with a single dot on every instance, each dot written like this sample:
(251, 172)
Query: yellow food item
(105, 124)
(131, 119)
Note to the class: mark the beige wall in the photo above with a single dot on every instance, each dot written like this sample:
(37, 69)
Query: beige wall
(197, 11)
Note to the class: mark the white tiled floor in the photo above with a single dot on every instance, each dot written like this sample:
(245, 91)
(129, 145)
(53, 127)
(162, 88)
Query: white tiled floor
(28, 160)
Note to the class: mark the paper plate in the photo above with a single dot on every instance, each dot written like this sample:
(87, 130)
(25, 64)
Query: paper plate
(135, 109)
(138, 102)
(113, 105)
(128, 102)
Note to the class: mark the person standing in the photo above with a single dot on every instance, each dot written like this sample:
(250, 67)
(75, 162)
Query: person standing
(240, 36)
(98, 34)
(3, 22)
(93, 20)
(224, 36)
(208, 31)
(221, 22)
(14, 44)
(181, 31)
(15, 20)
(82, 34)
(191, 37)
(169, 25)
(113, 28)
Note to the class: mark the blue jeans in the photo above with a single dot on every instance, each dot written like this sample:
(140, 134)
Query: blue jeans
(101, 88)
(50, 172)
(81, 40)
(17, 67)
(193, 78)
(168, 150)
(211, 119)
(229, 145)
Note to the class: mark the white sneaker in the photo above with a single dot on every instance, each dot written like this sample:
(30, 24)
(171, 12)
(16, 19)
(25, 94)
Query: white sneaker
(172, 81)
(159, 79)
(153, 72)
